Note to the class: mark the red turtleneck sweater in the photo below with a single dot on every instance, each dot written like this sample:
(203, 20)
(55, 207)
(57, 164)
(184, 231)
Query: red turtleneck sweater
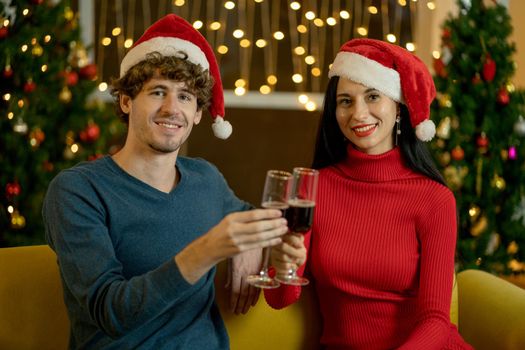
(381, 255)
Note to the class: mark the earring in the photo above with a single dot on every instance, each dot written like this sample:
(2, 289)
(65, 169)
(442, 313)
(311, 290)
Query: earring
(398, 128)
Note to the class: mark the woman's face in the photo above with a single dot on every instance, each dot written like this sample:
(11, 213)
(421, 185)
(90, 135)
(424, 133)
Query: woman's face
(365, 116)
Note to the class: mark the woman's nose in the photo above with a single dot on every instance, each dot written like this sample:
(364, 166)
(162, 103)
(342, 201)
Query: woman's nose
(360, 109)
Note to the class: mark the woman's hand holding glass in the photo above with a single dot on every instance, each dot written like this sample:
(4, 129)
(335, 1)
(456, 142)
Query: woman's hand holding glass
(289, 255)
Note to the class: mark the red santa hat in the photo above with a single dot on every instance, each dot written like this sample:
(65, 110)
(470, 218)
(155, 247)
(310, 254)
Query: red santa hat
(170, 35)
(393, 71)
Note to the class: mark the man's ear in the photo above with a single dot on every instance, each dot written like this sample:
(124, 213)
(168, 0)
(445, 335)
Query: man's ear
(198, 117)
(125, 103)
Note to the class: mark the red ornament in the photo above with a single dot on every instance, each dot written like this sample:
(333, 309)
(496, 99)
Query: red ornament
(439, 68)
(489, 68)
(29, 86)
(89, 71)
(457, 153)
(482, 141)
(503, 97)
(446, 34)
(91, 133)
(37, 2)
(71, 78)
(3, 32)
(8, 72)
(476, 79)
(12, 189)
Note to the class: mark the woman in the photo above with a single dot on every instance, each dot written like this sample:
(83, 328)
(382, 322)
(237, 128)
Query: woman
(381, 250)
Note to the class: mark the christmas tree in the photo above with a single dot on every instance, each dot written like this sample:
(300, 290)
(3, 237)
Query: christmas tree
(47, 121)
(480, 136)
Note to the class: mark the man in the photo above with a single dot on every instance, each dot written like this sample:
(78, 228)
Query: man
(138, 234)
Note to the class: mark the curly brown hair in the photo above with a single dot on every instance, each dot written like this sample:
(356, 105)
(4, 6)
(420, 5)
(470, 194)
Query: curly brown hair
(177, 68)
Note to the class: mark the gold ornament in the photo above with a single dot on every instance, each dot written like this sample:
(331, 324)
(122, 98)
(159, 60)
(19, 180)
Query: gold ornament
(444, 101)
(479, 226)
(454, 176)
(70, 138)
(444, 158)
(443, 129)
(516, 266)
(65, 95)
(498, 182)
(37, 50)
(78, 56)
(17, 220)
(68, 13)
(512, 248)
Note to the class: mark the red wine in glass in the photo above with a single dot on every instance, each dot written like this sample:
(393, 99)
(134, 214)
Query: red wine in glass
(300, 215)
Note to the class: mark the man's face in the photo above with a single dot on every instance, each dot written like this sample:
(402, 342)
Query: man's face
(161, 116)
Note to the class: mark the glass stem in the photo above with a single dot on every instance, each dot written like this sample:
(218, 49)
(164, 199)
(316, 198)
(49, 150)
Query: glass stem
(266, 260)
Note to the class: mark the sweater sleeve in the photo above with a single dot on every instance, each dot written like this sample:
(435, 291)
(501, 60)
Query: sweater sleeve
(437, 235)
(76, 229)
(285, 295)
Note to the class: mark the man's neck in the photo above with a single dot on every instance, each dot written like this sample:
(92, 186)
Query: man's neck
(157, 170)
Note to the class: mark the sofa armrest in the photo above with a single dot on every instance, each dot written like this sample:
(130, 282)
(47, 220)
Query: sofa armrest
(491, 311)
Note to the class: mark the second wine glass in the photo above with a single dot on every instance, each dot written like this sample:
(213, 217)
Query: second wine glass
(300, 213)
(275, 196)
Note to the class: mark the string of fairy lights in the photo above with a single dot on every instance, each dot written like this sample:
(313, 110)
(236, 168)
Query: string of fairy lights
(251, 33)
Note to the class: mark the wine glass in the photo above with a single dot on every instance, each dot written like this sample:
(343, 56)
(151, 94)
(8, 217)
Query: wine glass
(275, 196)
(300, 213)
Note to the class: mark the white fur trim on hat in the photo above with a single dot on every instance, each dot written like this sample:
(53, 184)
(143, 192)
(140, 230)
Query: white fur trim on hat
(426, 130)
(221, 128)
(167, 46)
(368, 72)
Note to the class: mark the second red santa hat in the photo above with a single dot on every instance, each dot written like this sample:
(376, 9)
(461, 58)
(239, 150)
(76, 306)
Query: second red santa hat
(171, 35)
(393, 71)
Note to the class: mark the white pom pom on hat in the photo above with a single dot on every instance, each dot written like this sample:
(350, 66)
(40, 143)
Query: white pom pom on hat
(395, 72)
(171, 35)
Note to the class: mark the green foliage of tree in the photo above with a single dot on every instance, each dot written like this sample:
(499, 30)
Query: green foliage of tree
(480, 141)
(48, 121)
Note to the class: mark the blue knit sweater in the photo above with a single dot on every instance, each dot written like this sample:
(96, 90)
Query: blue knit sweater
(115, 238)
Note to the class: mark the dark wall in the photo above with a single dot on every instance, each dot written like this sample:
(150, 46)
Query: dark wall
(261, 140)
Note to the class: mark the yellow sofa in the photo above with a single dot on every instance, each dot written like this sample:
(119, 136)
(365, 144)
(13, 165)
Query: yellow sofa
(32, 313)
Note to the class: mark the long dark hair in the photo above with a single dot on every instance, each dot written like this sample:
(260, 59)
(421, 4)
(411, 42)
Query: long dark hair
(330, 147)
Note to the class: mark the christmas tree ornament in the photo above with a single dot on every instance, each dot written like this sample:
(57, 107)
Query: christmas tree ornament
(512, 248)
(519, 212)
(91, 133)
(504, 154)
(498, 182)
(70, 77)
(489, 68)
(457, 153)
(17, 221)
(37, 50)
(20, 126)
(443, 129)
(444, 100)
(89, 72)
(36, 137)
(3, 32)
(8, 72)
(29, 86)
(493, 243)
(454, 176)
(65, 95)
(516, 266)
(47, 166)
(439, 68)
(37, 2)
(479, 226)
(69, 15)
(503, 97)
(78, 56)
(482, 142)
(519, 126)
(446, 55)
(13, 189)
(444, 159)
(440, 143)
(513, 153)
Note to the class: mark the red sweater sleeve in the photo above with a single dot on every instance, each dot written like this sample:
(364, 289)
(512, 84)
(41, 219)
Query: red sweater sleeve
(285, 295)
(437, 235)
